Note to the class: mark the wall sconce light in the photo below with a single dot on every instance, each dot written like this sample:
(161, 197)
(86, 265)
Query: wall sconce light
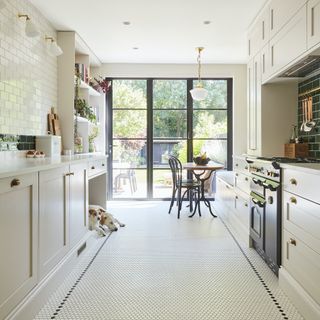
(31, 30)
(54, 49)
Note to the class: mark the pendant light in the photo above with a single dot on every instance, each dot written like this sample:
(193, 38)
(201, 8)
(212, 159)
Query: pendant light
(30, 30)
(199, 93)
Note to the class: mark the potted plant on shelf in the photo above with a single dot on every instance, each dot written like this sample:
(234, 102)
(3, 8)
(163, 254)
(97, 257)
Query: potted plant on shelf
(93, 135)
(83, 110)
(103, 84)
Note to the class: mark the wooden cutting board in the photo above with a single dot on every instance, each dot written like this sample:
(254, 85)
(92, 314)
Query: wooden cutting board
(56, 127)
(50, 123)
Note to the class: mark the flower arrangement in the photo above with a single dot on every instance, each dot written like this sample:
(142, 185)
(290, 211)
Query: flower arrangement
(103, 83)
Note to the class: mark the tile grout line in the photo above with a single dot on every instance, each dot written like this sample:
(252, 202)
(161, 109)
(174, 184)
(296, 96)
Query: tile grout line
(271, 295)
(61, 305)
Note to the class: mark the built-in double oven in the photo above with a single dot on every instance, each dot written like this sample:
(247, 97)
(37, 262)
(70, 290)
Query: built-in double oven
(265, 212)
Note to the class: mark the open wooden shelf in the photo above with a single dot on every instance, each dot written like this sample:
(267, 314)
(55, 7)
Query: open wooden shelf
(92, 91)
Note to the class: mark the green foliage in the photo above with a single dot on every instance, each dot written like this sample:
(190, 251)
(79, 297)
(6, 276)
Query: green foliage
(84, 110)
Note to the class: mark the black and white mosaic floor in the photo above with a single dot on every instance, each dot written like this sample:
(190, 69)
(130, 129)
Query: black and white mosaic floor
(158, 267)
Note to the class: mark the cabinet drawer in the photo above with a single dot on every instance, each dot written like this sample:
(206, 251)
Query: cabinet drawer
(302, 263)
(97, 167)
(16, 182)
(240, 165)
(242, 210)
(242, 182)
(302, 218)
(302, 184)
(225, 193)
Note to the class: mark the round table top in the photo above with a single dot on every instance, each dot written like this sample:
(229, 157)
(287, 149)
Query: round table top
(210, 166)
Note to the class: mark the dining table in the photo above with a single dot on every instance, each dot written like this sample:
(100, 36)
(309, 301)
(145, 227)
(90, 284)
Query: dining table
(202, 173)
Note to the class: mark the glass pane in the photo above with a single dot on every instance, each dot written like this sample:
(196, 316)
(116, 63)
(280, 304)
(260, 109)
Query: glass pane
(170, 124)
(162, 184)
(129, 124)
(217, 94)
(162, 150)
(129, 153)
(210, 124)
(170, 94)
(129, 94)
(216, 149)
(129, 183)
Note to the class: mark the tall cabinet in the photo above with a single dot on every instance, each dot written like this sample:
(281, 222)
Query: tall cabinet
(75, 50)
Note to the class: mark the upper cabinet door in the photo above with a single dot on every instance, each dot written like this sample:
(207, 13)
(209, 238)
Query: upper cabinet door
(281, 11)
(289, 43)
(313, 19)
(264, 23)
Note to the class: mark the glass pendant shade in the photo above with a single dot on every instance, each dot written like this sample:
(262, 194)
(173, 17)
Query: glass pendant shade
(199, 93)
(55, 50)
(31, 30)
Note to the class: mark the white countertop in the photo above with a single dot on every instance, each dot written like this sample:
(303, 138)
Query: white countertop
(312, 168)
(27, 165)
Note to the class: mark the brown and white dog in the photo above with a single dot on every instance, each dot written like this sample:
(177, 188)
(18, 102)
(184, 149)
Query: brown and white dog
(99, 218)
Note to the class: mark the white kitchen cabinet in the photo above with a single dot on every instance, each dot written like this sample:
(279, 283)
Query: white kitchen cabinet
(78, 202)
(281, 12)
(53, 217)
(313, 18)
(18, 239)
(290, 42)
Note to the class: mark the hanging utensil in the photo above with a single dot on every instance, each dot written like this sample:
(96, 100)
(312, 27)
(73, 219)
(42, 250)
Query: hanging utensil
(303, 115)
(311, 124)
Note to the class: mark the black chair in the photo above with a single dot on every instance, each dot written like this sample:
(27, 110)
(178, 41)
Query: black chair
(178, 184)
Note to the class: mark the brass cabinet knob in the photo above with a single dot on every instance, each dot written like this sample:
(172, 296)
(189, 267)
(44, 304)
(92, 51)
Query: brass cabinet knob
(293, 181)
(237, 165)
(103, 164)
(92, 168)
(293, 242)
(247, 179)
(15, 182)
(246, 167)
(237, 197)
(237, 174)
(293, 200)
(246, 204)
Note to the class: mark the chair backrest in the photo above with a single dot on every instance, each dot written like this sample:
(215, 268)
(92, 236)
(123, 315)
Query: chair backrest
(176, 170)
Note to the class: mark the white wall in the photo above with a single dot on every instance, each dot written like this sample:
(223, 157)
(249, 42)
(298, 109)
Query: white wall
(237, 72)
(28, 75)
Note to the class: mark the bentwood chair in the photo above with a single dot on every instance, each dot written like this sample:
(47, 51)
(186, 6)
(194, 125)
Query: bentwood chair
(180, 185)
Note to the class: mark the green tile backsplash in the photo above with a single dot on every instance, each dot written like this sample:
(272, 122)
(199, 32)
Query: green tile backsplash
(312, 137)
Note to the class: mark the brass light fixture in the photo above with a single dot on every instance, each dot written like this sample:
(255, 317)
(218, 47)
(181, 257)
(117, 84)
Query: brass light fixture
(199, 93)
(31, 30)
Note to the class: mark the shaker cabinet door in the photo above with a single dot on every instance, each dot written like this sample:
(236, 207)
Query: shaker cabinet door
(18, 239)
(53, 217)
(78, 202)
(313, 19)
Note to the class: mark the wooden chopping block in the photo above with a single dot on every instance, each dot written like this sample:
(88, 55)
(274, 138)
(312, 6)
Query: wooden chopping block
(56, 127)
(50, 123)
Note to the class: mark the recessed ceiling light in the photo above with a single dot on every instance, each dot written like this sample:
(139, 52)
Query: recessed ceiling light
(206, 22)
(126, 23)
(135, 48)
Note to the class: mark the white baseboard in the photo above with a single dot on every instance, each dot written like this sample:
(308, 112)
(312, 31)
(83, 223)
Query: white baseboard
(308, 308)
(38, 296)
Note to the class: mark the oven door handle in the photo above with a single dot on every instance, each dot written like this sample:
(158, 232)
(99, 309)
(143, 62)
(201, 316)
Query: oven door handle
(257, 181)
(270, 186)
(258, 203)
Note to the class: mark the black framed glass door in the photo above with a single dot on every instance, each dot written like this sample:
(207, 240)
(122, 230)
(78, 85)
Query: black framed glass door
(149, 119)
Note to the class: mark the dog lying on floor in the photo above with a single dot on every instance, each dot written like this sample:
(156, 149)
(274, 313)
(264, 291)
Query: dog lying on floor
(100, 218)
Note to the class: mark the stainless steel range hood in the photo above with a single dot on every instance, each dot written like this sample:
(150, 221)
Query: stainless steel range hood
(307, 66)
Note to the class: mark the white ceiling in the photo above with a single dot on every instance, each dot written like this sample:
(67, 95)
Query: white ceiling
(166, 31)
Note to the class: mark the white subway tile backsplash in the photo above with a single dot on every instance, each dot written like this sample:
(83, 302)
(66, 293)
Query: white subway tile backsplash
(28, 74)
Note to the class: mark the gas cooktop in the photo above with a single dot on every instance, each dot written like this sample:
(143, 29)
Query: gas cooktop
(289, 160)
